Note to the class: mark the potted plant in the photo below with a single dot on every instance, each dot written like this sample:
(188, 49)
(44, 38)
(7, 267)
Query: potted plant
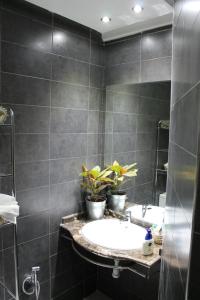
(94, 184)
(120, 174)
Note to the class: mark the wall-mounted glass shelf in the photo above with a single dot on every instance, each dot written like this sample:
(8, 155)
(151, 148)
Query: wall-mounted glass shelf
(5, 175)
(6, 125)
(161, 171)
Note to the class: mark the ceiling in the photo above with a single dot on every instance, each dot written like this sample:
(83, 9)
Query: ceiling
(123, 20)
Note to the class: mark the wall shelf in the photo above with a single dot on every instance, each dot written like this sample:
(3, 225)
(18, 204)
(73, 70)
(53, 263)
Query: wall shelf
(5, 175)
(11, 126)
(160, 171)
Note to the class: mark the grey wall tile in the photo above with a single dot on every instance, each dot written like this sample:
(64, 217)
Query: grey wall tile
(33, 201)
(71, 26)
(68, 120)
(25, 90)
(70, 45)
(21, 60)
(94, 160)
(95, 122)
(31, 227)
(68, 145)
(125, 158)
(145, 124)
(66, 195)
(24, 31)
(70, 71)
(69, 96)
(145, 175)
(158, 44)
(125, 103)
(185, 127)
(124, 123)
(94, 144)
(146, 141)
(156, 70)
(31, 175)
(31, 119)
(145, 159)
(31, 147)
(123, 142)
(123, 52)
(96, 76)
(62, 170)
(97, 54)
(152, 107)
(29, 10)
(108, 122)
(123, 74)
(96, 99)
(157, 90)
(143, 193)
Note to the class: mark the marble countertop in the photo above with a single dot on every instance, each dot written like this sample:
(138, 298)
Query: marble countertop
(73, 225)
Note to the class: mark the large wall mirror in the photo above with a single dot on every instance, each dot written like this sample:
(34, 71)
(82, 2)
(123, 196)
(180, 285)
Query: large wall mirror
(137, 130)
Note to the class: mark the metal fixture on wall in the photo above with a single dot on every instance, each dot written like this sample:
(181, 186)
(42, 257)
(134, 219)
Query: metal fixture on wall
(162, 128)
(31, 285)
(9, 125)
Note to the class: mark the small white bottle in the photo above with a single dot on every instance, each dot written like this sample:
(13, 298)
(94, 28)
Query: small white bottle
(148, 243)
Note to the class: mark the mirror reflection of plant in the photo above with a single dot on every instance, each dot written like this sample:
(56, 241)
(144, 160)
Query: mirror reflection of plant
(120, 174)
(95, 181)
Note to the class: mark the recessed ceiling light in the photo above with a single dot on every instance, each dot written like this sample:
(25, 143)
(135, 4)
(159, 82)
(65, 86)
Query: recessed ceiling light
(105, 19)
(137, 9)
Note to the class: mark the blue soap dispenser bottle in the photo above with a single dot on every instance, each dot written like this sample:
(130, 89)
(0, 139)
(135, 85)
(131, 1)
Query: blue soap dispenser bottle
(148, 244)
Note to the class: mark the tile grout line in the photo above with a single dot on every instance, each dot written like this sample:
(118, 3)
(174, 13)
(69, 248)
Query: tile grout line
(49, 236)
(89, 95)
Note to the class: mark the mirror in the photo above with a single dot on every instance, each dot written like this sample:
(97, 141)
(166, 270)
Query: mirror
(137, 130)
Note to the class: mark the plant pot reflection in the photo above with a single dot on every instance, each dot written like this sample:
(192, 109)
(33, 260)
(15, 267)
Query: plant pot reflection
(117, 201)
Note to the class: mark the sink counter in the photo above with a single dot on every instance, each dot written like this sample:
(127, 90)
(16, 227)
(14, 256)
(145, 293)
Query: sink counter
(73, 226)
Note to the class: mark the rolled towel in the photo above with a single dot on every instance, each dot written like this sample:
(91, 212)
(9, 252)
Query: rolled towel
(7, 200)
(9, 208)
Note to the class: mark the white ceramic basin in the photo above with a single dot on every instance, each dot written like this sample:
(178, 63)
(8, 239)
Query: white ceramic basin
(114, 234)
(153, 215)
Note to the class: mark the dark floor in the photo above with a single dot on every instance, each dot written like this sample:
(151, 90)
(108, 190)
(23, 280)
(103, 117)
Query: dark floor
(97, 296)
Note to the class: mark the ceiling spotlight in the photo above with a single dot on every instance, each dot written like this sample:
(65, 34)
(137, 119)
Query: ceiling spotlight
(137, 9)
(105, 19)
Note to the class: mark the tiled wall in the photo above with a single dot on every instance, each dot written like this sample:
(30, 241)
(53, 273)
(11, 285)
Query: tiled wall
(144, 57)
(132, 113)
(183, 159)
(52, 76)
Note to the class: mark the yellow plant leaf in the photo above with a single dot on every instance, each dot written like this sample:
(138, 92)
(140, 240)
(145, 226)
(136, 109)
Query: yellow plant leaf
(131, 173)
(115, 163)
(96, 168)
(128, 167)
(120, 178)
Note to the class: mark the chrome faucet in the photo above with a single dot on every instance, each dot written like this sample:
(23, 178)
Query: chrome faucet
(144, 210)
(127, 216)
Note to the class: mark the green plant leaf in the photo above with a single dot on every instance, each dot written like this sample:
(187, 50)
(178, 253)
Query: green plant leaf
(106, 179)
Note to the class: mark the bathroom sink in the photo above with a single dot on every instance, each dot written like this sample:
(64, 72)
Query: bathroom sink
(114, 234)
(153, 215)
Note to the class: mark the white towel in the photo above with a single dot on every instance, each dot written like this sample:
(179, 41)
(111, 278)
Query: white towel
(9, 208)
